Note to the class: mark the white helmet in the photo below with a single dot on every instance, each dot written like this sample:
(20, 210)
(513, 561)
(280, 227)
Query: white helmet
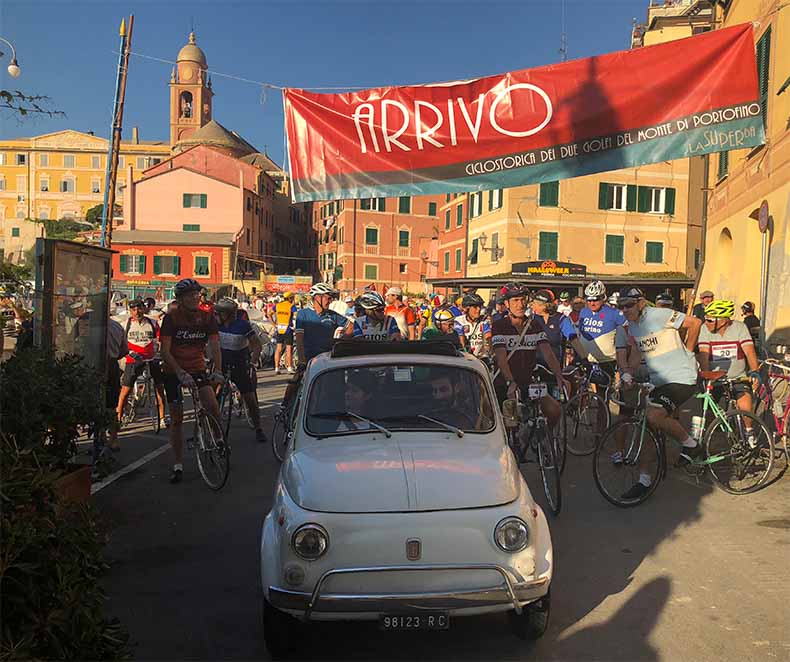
(614, 298)
(322, 288)
(371, 300)
(595, 290)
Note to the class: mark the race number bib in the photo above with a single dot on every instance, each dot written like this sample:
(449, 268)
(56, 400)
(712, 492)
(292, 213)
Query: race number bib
(537, 391)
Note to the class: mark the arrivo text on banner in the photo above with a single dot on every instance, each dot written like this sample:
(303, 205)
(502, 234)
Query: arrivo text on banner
(670, 101)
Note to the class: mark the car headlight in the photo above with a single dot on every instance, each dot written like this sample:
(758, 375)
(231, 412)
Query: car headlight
(511, 535)
(310, 541)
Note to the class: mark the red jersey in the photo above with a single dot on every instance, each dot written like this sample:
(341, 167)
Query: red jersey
(189, 337)
(140, 337)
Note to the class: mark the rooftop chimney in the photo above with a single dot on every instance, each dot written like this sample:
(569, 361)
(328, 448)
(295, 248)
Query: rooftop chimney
(135, 135)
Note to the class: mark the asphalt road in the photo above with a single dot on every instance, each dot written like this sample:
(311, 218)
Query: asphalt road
(694, 574)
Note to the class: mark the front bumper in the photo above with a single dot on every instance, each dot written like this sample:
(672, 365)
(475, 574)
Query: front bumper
(508, 594)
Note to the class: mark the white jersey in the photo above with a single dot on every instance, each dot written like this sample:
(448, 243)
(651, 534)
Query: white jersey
(474, 332)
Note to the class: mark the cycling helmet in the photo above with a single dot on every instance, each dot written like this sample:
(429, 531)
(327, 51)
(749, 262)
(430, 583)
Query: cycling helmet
(720, 308)
(544, 296)
(443, 316)
(614, 297)
(595, 291)
(472, 300)
(187, 285)
(136, 303)
(322, 288)
(631, 294)
(565, 296)
(747, 307)
(226, 305)
(288, 296)
(150, 302)
(514, 290)
(371, 300)
(665, 299)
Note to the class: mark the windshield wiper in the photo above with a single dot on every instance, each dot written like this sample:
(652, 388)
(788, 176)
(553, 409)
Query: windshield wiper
(446, 426)
(351, 414)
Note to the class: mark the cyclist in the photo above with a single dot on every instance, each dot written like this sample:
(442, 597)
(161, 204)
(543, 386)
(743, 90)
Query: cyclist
(185, 335)
(500, 310)
(671, 365)
(550, 321)
(751, 320)
(517, 339)
(206, 304)
(284, 313)
(317, 324)
(564, 306)
(141, 336)
(241, 350)
(403, 315)
(375, 324)
(473, 328)
(445, 329)
(665, 300)
(726, 344)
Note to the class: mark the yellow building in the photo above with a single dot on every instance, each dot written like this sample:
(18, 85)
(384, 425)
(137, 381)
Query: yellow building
(742, 180)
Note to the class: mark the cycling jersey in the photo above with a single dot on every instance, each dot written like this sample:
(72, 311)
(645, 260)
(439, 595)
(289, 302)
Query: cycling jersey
(726, 350)
(429, 315)
(475, 333)
(564, 309)
(369, 329)
(318, 330)
(284, 314)
(403, 316)
(596, 332)
(522, 361)
(140, 336)
(655, 334)
(552, 329)
(190, 335)
(432, 333)
(234, 340)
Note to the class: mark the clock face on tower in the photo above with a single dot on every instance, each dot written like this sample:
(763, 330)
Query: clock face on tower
(187, 74)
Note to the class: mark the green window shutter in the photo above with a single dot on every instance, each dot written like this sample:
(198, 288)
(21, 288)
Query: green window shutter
(724, 164)
(177, 265)
(550, 194)
(371, 236)
(447, 198)
(14, 232)
(763, 71)
(187, 200)
(404, 204)
(459, 215)
(382, 204)
(542, 195)
(604, 196)
(203, 200)
(669, 201)
(364, 203)
(447, 220)
(157, 264)
(654, 252)
(630, 198)
(334, 233)
(490, 201)
(403, 238)
(458, 259)
(431, 209)
(615, 248)
(555, 199)
(446, 261)
(643, 199)
(142, 264)
(473, 252)
(547, 245)
(124, 264)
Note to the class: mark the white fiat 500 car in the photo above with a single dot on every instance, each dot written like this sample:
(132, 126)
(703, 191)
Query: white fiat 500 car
(399, 500)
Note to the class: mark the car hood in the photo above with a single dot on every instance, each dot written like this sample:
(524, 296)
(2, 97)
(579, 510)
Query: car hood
(369, 473)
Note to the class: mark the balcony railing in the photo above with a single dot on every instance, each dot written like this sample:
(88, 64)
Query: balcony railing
(371, 249)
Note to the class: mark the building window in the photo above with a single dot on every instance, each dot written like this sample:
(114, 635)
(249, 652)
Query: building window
(154, 161)
(652, 200)
(2, 183)
(378, 204)
(613, 196)
(341, 235)
(43, 160)
(548, 245)
(654, 252)
(2, 158)
(249, 235)
(494, 247)
(119, 186)
(21, 159)
(190, 227)
(20, 198)
(249, 203)
(763, 70)
(195, 200)
(615, 249)
(446, 261)
(473, 252)
(14, 232)
(447, 220)
(141, 162)
(95, 162)
(95, 186)
(447, 198)
(371, 272)
(371, 236)
(697, 257)
(458, 259)
(431, 209)
(201, 265)
(495, 199)
(724, 165)
(459, 216)
(404, 204)
(68, 160)
(121, 161)
(167, 264)
(475, 204)
(403, 238)
(44, 186)
(549, 194)
(67, 186)
(43, 214)
(133, 265)
(402, 268)
(655, 200)
(21, 183)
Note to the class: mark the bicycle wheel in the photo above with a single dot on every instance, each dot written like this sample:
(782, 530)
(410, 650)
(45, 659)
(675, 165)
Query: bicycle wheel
(587, 417)
(280, 434)
(226, 408)
(739, 462)
(560, 436)
(549, 470)
(247, 414)
(213, 453)
(153, 406)
(129, 409)
(638, 453)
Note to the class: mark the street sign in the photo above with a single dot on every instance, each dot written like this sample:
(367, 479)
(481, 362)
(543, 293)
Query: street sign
(762, 218)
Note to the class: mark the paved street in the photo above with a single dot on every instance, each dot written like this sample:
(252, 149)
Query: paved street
(693, 574)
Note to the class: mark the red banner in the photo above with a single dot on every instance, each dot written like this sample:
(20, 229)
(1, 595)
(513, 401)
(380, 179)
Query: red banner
(687, 97)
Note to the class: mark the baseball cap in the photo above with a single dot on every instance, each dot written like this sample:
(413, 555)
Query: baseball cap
(706, 293)
(395, 290)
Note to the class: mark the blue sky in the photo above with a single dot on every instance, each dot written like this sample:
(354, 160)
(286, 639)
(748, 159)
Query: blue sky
(65, 50)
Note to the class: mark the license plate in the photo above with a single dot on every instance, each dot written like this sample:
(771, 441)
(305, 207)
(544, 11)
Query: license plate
(428, 620)
(537, 391)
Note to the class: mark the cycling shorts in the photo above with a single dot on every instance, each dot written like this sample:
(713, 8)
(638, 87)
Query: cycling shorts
(240, 375)
(738, 389)
(286, 338)
(173, 391)
(671, 396)
(131, 371)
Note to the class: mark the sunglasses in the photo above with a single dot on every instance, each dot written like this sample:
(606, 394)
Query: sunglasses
(625, 306)
(710, 321)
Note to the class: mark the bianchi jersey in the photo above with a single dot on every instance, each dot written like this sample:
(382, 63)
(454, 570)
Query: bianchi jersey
(369, 329)
(474, 332)
(656, 335)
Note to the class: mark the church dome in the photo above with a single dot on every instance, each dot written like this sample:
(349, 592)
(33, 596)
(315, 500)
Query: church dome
(192, 52)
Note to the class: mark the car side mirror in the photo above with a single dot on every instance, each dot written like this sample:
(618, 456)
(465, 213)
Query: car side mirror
(510, 412)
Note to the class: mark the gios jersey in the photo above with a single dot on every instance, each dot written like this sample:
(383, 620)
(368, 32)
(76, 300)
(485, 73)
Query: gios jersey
(369, 329)
(596, 332)
(284, 314)
(475, 333)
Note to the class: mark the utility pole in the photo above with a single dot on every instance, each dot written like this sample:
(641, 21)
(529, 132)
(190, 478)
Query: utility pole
(115, 136)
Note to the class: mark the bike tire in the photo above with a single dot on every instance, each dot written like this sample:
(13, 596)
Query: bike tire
(129, 412)
(582, 412)
(153, 407)
(549, 470)
(226, 408)
(247, 415)
(743, 469)
(213, 452)
(612, 480)
(560, 435)
(280, 435)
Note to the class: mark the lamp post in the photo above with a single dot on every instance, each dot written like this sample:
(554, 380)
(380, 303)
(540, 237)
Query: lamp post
(13, 69)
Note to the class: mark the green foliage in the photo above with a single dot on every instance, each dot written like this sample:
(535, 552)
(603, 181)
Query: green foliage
(46, 400)
(50, 569)
(15, 273)
(63, 229)
(22, 104)
(679, 275)
(94, 214)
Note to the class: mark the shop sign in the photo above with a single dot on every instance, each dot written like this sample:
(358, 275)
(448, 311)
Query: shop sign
(549, 268)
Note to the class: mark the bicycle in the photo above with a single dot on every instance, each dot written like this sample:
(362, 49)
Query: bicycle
(212, 449)
(284, 417)
(232, 402)
(143, 393)
(560, 436)
(772, 402)
(586, 416)
(738, 457)
(528, 430)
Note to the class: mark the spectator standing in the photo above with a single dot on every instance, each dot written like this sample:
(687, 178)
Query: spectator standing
(751, 320)
(699, 310)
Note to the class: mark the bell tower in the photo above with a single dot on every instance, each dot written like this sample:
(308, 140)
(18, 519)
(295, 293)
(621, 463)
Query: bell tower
(190, 92)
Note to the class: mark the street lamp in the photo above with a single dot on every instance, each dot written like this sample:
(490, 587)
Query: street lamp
(13, 69)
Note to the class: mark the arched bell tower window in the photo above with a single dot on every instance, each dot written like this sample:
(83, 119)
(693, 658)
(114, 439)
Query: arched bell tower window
(185, 104)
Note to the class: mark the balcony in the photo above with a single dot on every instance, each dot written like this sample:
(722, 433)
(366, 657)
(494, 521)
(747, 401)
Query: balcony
(404, 251)
(371, 249)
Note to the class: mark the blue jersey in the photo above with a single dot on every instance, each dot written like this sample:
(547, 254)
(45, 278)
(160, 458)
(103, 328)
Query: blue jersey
(234, 339)
(318, 330)
(596, 332)
(369, 329)
(553, 330)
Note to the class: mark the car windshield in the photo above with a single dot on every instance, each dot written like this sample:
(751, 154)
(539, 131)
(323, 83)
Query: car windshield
(382, 399)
